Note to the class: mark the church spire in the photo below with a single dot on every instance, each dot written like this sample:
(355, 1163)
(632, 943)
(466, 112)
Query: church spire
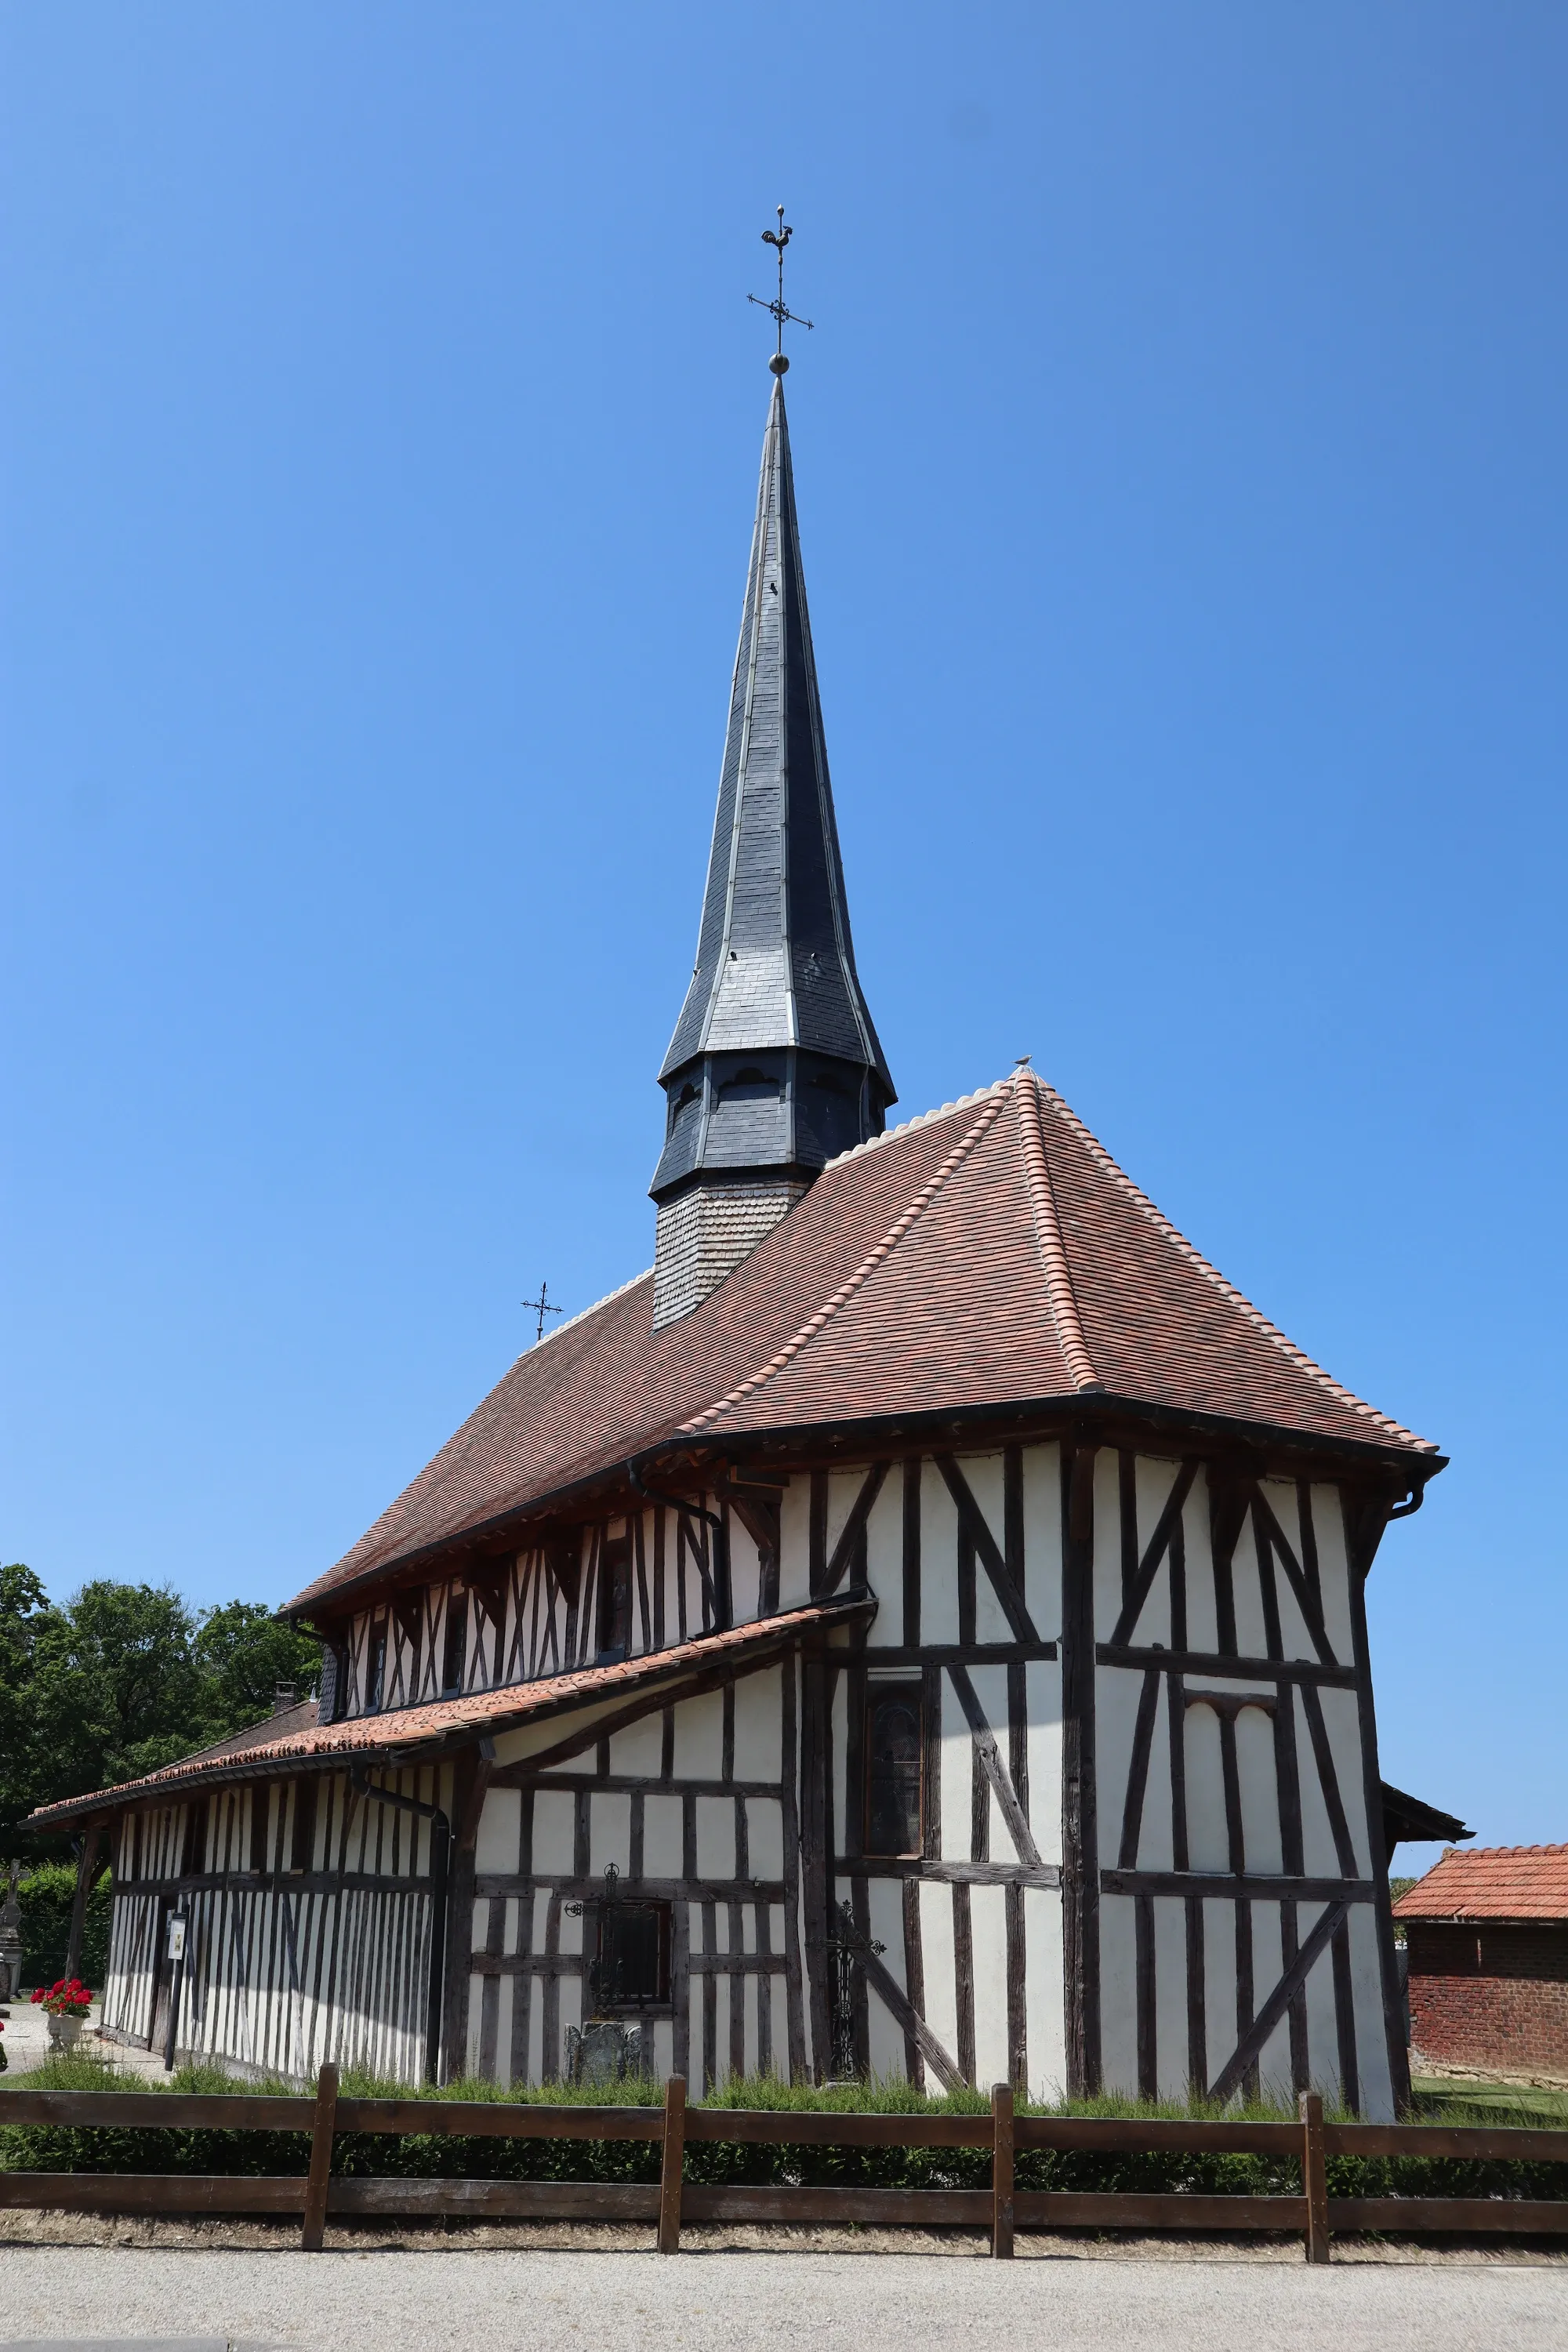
(774, 1066)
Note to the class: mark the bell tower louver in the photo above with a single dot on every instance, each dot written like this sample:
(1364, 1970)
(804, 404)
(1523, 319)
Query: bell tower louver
(774, 1066)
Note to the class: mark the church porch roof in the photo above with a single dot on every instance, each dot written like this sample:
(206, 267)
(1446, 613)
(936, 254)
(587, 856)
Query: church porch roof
(274, 1745)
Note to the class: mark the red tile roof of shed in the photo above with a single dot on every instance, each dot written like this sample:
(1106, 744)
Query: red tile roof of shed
(990, 1254)
(1497, 1881)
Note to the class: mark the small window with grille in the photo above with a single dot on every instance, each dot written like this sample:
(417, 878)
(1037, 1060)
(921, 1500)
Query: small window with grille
(893, 1744)
(631, 1971)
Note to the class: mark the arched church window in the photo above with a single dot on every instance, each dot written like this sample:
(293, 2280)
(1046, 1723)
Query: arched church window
(893, 1744)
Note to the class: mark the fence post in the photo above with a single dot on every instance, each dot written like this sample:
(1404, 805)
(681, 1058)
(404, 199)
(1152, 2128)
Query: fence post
(1002, 2172)
(673, 2170)
(1314, 2176)
(322, 2134)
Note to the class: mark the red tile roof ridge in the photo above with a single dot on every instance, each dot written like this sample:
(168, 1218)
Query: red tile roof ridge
(1048, 1233)
(1479, 1852)
(921, 1119)
(994, 1098)
(583, 1313)
(1238, 1299)
(477, 1710)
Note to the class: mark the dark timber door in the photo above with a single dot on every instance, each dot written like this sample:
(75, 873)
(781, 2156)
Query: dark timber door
(162, 1979)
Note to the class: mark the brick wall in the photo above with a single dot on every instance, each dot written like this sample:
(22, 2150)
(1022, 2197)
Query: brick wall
(1492, 2000)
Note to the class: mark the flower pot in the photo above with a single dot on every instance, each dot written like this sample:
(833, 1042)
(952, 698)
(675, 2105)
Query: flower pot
(64, 2031)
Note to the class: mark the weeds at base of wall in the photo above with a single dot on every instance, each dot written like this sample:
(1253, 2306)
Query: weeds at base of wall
(29, 2147)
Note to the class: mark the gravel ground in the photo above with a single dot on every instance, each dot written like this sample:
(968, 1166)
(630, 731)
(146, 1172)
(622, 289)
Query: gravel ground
(473, 2299)
(191, 2233)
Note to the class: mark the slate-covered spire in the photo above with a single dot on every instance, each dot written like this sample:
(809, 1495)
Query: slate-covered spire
(774, 1066)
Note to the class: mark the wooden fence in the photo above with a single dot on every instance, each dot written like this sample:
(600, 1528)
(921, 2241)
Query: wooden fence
(673, 2201)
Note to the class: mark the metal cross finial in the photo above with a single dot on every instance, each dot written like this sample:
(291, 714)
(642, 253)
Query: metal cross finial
(778, 239)
(541, 1308)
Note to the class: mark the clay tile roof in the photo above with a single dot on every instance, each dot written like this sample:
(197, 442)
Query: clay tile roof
(989, 1254)
(1497, 1881)
(296, 1737)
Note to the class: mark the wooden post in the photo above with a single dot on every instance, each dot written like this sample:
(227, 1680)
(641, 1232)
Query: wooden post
(1081, 1834)
(673, 2167)
(91, 1836)
(1002, 2172)
(1314, 2178)
(322, 2134)
(176, 1987)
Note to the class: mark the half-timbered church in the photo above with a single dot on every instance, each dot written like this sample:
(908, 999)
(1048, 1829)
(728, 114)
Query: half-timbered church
(917, 1627)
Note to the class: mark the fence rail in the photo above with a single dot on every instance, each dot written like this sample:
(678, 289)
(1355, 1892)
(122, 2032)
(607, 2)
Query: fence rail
(673, 2201)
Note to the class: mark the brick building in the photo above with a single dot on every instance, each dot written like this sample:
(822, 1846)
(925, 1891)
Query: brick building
(1488, 1936)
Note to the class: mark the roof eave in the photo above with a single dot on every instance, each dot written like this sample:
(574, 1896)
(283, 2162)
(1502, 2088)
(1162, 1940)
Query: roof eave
(1419, 1467)
(815, 1621)
(1482, 1918)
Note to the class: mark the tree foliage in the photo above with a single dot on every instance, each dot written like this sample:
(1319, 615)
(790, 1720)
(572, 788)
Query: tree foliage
(121, 1679)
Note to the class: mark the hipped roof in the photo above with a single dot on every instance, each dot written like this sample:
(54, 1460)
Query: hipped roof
(990, 1254)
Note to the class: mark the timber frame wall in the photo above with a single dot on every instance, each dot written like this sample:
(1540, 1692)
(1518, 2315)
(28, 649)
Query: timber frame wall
(1149, 1850)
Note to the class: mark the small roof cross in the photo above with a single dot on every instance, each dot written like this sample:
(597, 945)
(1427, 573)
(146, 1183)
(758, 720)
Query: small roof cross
(778, 239)
(541, 1308)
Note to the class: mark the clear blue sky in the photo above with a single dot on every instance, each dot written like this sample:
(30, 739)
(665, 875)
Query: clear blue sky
(1181, 458)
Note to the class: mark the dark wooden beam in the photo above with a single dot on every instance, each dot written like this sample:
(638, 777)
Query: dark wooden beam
(1138, 1578)
(1229, 1885)
(1080, 1839)
(1250, 2047)
(1216, 1664)
(988, 1756)
(972, 1523)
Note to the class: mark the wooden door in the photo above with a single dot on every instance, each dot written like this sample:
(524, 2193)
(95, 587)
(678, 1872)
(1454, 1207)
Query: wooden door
(162, 1978)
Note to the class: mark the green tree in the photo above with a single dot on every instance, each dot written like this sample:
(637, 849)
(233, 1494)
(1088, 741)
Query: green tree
(117, 1690)
(24, 1608)
(123, 1679)
(244, 1654)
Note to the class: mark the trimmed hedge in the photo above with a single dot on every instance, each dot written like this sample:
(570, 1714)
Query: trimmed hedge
(45, 2148)
(46, 1895)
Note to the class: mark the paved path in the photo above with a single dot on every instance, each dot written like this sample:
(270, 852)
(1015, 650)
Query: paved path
(417, 2302)
(27, 2044)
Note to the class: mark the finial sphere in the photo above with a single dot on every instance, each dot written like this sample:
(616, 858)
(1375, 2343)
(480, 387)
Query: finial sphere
(779, 362)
